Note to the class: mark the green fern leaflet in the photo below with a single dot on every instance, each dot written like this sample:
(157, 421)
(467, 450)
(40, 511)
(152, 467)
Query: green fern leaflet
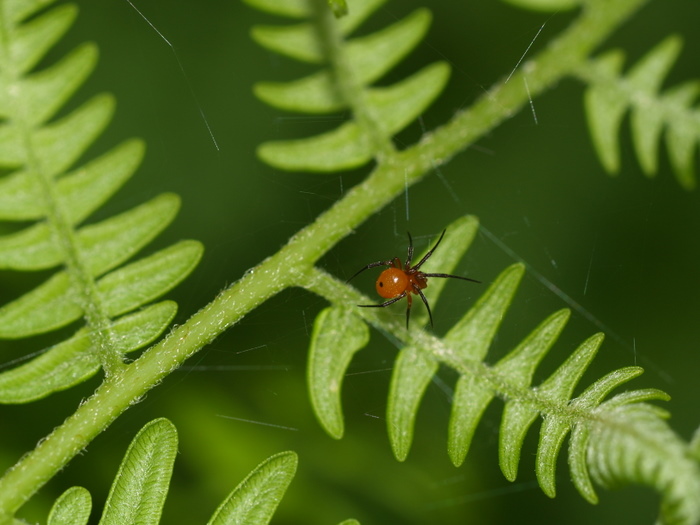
(45, 189)
(610, 95)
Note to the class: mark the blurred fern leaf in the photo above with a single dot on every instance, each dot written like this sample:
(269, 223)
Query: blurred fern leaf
(339, 7)
(286, 8)
(255, 499)
(661, 459)
(352, 66)
(546, 5)
(612, 439)
(45, 188)
(611, 94)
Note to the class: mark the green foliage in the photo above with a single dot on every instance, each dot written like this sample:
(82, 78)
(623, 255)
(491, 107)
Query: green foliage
(610, 95)
(288, 8)
(74, 360)
(695, 444)
(254, 501)
(657, 457)
(71, 508)
(339, 7)
(140, 487)
(92, 282)
(368, 137)
(546, 5)
(337, 335)
(603, 439)
(385, 110)
(613, 438)
(414, 370)
(473, 333)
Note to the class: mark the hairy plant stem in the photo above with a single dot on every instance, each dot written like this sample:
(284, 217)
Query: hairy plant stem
(291, 265)
(347, 84)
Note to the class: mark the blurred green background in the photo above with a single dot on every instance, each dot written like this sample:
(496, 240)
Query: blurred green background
(624, 249)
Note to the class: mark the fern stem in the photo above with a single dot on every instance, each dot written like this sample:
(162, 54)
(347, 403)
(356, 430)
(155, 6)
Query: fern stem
(351, 91)
(63, 231)
(96, 319)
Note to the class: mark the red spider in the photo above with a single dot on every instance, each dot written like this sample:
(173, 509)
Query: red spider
(398, 282)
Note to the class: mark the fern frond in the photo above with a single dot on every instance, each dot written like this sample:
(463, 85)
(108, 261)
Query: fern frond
(352, 66)
(37, 150)
(520, 365)
(141, 485)
(611, 94)
(632, 443)
(73, 361)
(590, 418)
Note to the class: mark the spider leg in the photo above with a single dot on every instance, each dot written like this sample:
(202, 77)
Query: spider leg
(427, 255)
(371, 265)
(425, 302)
(446, 275)
(409, 299)
(390, 301)
(410, 251)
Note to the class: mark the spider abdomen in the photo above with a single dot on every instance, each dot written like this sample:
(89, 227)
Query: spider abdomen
(392, 282)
